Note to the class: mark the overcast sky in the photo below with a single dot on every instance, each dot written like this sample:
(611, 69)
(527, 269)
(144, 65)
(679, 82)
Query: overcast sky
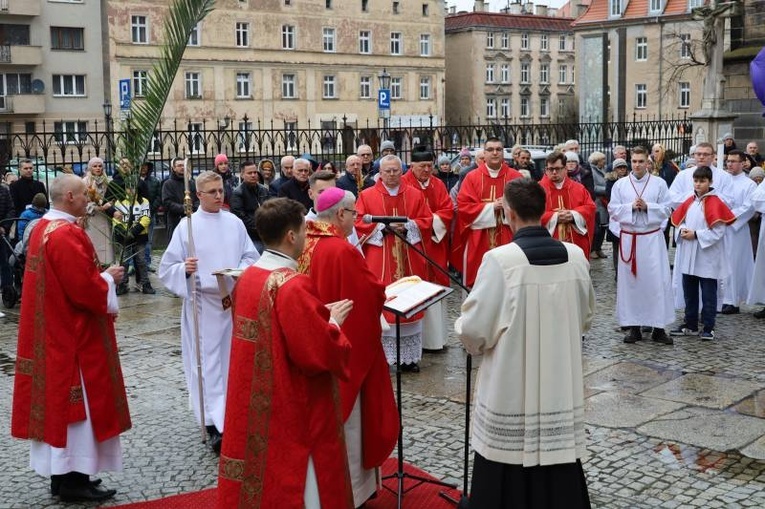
(496, 5)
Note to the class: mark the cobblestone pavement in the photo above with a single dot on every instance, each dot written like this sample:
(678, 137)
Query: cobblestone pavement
(667, 426)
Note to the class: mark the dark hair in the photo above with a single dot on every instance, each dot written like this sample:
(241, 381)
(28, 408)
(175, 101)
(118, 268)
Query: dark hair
(526, 197)
(324, 175)
(493, 139)
(245, 163)
(555, 156)
(326, 162)
(638, 150)
(276, 217)
(737, 152)
(702, 172)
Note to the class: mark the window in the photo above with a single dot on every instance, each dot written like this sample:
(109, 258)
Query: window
(396, 89)
(684, 88)
(562, 74)
(196, 138)
(244, 132)
(365, 87)
(641, 49)
(489, 73)
(562, 43)
(524, 41)
(491, 108)
(544, 42)
(425, 45)
(328, 3)
(12, 84)
(524, 106)
(288, 86)
(68, 85)
(155, 145)
(505, 41)
(504, 73)
(139, 29)
(243, 85)
(288, 37)
(655, 5)
(328, 91)
(195, 36)
(242, 34)
(525, 71)
(364, 5)
(504, 107)
(692, 4)
(65, 38)
(641, 96)
(424, 88)
(573, 75)
(544, 107)
(425, 10)
(395, 43)
(395, 7)
(544, 73)
(140, 82)
(615, 8)
(70, 132)
(328, 40)
(490, 40)
(685, 45)
(365, 42)
(193, 85)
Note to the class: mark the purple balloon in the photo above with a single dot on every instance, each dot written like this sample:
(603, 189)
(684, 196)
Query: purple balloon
(757, 72)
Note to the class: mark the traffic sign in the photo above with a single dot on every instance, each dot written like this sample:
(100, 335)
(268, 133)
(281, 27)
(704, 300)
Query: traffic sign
(383, 99)
(125, 94)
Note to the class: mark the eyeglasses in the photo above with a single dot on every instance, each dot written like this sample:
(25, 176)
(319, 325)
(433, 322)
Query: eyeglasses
(554, 169)
(212, 192)
(703, 154)
(354, 212)
(493, 149)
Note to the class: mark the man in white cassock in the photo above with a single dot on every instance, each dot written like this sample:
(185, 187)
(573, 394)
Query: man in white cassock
(221, 241)
(528, 425)
(639, 209)
(757, 291)
(738, 241)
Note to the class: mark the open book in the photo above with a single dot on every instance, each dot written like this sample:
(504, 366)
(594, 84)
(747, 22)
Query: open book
(408, 294)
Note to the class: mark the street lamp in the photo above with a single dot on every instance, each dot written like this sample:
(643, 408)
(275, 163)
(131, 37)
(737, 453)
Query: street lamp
(109, 143)
(383, 100)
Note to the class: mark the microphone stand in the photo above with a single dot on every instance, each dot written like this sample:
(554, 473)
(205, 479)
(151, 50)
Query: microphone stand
(464, 501)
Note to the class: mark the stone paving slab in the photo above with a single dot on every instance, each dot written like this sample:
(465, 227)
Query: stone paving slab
(753, 405)
(624, 410)
(628, 377)
(704, 390)
(702, 427)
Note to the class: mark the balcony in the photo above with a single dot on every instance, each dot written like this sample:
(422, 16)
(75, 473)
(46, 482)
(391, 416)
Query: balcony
(21, 55)
(20, 7)
(22, 104)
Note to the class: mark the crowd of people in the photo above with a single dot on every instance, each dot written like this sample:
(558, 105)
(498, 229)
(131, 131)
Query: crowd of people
(296, 351)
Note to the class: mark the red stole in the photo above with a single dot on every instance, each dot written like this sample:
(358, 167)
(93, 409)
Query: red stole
(572, 196)
(715, 210)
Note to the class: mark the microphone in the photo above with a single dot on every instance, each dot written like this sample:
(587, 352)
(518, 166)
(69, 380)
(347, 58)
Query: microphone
(383, 219)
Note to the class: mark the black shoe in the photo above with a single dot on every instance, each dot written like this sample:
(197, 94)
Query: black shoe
(759, 314)
(147, 289)
(729, 309)
(56, 480)
(122, 289)
(633, 336)
(660, 336)
(410, 368)
(216, 441)
(77, 487)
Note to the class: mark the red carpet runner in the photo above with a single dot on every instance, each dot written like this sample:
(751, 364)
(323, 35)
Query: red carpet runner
(424, 496)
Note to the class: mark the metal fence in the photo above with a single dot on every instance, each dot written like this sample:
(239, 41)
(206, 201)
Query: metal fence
(68, 145)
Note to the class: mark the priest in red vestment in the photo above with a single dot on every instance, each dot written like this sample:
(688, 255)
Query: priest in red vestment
(339, 272)
(569, 211)
(389, 257)
(437, 244)
(69, 396)
(284, 445)
(481, 223)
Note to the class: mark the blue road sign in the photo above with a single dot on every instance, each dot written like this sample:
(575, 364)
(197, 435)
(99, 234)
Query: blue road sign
(125, 94)
(383, 99)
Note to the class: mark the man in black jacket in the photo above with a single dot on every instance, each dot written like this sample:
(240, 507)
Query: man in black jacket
(173, 192)
(296, 188)
(247, 199)
(26, 187)
(349, 182)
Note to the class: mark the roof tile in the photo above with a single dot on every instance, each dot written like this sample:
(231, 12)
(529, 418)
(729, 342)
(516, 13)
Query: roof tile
(502, 20)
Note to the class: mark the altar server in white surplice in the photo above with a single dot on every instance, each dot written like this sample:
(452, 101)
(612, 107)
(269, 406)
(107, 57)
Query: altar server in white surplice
(682, 186)
(757, 291)
(639, 209)
(738, 240)
(221, 242)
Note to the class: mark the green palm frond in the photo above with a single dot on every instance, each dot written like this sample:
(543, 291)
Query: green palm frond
(181, 18)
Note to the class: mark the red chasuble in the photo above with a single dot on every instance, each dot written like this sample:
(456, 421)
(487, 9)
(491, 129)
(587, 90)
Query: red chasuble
(572, 196)
(437, 197)
(715, 211)
(283, 404)
(478, 189)
(394, 259)
(340, 272)
(65, 331)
